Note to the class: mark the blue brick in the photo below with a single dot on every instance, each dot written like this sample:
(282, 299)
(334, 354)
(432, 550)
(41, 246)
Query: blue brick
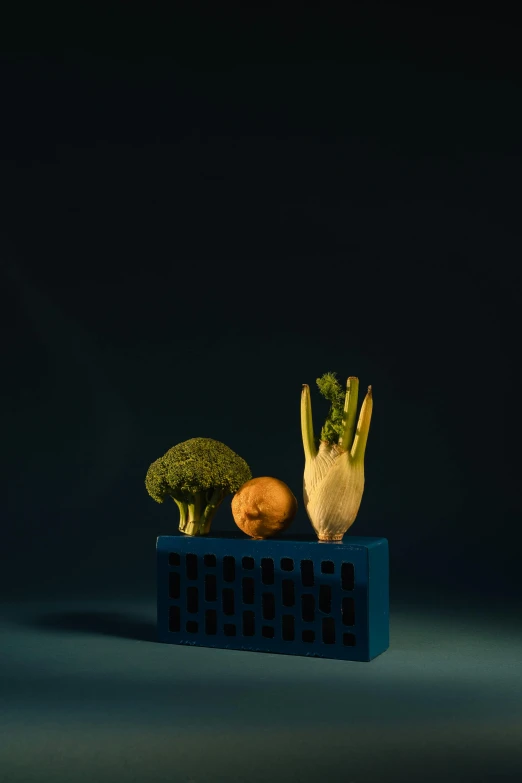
(289, 595)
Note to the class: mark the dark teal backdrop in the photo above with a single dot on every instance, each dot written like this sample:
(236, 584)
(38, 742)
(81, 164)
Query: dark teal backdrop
(202, 211)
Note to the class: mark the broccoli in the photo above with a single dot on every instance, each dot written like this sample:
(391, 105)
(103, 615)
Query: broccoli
(197, 474)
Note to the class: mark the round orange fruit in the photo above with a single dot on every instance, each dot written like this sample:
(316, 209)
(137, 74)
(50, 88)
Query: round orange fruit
(263, 507)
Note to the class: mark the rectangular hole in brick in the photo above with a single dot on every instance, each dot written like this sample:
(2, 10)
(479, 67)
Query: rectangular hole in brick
(229, 568)
(210, 561)
(327, 567)
(210, 587)
(347, 576)
(307, 573)
(248, 623)
(228, 600)
(287, 564)
(288, 628)
(192, 626)
(328, 629)
(267, 631)
(191, 563)
(174, 559)
(229, 629)
(325, 599)
(308, 635)
(348, 611)
(268, 606)
(308, 607)
(267, 571)
(174, 584)
(248, 590)
(288, 592)
(248, 563)
(348, 640)
(211, 621)
(192, 600)
(174, 618)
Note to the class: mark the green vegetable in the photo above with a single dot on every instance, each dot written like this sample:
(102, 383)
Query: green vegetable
(197, 474)
(333, 481)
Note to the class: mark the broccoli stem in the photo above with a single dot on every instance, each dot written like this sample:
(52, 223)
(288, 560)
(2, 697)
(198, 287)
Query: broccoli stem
(200, 512)
(183, 513)
(194, 507)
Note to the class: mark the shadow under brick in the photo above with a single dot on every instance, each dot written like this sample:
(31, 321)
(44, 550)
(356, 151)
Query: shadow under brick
(101, 623)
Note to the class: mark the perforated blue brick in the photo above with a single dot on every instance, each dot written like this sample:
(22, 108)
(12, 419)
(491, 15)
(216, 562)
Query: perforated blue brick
(289, 595)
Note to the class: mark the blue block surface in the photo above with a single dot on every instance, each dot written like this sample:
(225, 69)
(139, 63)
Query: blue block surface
(291, 595)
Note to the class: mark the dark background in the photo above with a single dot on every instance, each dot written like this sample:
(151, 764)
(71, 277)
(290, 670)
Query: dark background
(203, 208)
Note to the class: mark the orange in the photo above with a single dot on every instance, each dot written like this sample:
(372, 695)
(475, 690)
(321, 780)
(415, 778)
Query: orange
(263, 507)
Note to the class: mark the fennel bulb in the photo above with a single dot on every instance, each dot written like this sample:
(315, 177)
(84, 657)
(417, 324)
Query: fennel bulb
(333, 481)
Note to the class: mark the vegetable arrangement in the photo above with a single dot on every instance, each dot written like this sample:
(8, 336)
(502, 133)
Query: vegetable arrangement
(199, 473)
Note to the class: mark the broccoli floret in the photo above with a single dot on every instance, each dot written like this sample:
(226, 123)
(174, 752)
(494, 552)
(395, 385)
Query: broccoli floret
(197, 474)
